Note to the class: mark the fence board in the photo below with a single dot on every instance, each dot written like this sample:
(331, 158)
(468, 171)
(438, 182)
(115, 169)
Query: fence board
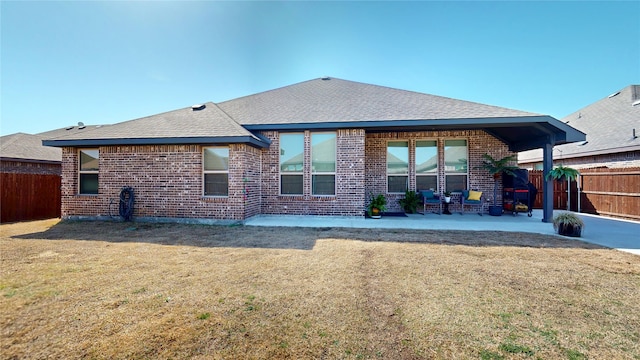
(603, 191)
(29, 197)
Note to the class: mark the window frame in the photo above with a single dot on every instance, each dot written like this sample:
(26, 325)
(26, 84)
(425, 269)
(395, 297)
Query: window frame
(449, 173)
(435, 174)
(335, 162)
(87, 172)
(287, 173)
(206, 172)
(406, 175)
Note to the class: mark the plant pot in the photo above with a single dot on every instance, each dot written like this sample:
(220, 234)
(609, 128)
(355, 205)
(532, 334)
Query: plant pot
(569, 230)
(495, 210)
(375, 213)
(447, 199)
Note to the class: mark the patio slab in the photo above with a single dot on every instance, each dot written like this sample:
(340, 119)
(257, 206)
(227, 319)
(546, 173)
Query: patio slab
(614, 233)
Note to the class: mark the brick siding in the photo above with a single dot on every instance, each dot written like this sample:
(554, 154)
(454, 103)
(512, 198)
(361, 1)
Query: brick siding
(167, 179)
(28, 167)
(478, 142)
(349, 198)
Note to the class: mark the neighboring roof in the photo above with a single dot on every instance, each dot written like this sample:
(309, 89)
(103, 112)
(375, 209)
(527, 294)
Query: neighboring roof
(609, 124)
(192, 125)
(29, 148)
(328, 103)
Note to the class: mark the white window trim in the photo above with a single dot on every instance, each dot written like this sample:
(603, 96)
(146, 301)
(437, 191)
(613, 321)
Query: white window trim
(205, 172)
(335, 161)
(386, 164)
(437, 173)
(444, 169)
(82, 172)
(280, 173)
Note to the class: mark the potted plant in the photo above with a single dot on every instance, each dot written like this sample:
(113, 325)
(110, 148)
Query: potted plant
(377, 205)
(447, 196)
(562, 172)
(496, 168)
(410, 202)
(568, 224)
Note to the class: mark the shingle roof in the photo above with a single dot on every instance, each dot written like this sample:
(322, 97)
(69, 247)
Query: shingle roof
(608, 123)
(201, 125)
(336, 100)
(326, 103)
(21, 146)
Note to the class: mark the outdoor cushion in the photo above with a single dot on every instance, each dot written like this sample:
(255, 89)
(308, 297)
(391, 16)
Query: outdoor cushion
(474, 195)
(427, 194)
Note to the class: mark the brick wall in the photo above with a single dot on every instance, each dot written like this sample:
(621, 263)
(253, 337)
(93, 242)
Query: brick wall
(349, 198)
(24, 167)
(167, 181)
(478, 142)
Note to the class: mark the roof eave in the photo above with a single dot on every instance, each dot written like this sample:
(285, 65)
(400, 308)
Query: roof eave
(250, 140)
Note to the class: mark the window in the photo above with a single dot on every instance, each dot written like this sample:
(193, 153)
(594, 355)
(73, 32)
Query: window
(397, 166)
(88, 171)
(427, 165)
(291, 164)
(215, 169)
(323, 163)
(455, 165)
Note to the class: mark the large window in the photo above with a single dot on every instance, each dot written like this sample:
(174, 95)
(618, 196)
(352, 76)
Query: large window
(427, 165)
(397, 166)
(291, 164)
(323, 163)
(456, 164)
(89, 160)
(215, 171)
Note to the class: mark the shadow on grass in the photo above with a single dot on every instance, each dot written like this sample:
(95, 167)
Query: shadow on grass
(285, 237)
(296, 238)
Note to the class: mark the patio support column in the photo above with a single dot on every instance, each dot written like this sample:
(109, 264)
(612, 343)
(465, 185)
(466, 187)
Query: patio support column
(547, 164)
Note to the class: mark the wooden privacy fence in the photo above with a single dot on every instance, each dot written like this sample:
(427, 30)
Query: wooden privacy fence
(604, 191)
(29, 197)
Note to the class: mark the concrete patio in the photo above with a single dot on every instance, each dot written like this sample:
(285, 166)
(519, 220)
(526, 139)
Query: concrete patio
(614, 233)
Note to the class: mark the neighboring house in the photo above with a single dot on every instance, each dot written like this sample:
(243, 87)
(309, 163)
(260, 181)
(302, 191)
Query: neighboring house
(320, 147)
(612, 126)
(608, 160)
(30, 175)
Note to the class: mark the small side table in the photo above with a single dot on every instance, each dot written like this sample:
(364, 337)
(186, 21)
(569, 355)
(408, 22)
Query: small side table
(446, 207)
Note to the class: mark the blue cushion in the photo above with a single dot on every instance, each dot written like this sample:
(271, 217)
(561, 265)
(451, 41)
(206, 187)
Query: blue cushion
(465, 194)
(427, 194)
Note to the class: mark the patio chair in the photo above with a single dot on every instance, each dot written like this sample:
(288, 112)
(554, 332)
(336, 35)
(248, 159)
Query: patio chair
(429, 198)
(472, 198)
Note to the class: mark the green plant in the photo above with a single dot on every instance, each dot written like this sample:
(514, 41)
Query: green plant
(567, 218)
(559, 172)
(447, 193)
(496, 168)
(568, 224)
(410, 201)
(377, 202)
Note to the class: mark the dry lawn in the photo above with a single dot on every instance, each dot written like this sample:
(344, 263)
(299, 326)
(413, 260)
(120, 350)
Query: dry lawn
(136, 291)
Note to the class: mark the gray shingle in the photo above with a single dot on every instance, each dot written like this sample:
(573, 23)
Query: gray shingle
(337, 100)
(28, 147)
(181, 123)
(608, 123)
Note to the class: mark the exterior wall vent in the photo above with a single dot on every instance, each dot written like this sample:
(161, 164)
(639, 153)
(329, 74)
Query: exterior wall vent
(198, 107)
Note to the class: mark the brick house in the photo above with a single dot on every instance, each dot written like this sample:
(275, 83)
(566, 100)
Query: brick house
(319, 147)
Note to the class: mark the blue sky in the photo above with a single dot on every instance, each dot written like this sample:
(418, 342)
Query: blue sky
(107, 62)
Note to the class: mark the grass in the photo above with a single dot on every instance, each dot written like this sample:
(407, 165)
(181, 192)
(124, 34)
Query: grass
(120, 291)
